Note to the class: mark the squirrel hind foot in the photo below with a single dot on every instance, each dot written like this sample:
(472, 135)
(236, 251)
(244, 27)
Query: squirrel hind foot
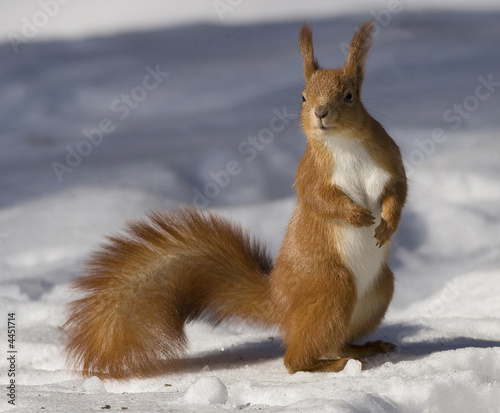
(324, 365)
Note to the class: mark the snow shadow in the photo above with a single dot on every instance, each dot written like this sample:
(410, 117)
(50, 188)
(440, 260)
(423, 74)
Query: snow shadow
(401, 333)
(235, 357)
(238, 356)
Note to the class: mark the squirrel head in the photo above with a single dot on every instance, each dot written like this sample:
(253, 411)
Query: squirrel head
(332, 97)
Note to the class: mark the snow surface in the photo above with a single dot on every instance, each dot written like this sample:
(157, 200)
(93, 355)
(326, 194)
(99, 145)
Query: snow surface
(229, 81)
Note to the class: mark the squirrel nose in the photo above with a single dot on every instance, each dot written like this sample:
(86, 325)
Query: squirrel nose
(321, 112)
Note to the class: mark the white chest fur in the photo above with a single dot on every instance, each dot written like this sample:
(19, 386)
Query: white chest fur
(363, 181)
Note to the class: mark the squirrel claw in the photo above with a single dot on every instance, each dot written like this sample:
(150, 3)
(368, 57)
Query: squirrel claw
(382, 233)
(361, 217)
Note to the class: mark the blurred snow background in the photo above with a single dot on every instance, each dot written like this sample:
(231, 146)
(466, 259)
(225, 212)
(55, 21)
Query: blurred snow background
(184, 90)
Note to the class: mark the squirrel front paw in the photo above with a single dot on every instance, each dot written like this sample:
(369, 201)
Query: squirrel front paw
(383, 233)
(359, 216)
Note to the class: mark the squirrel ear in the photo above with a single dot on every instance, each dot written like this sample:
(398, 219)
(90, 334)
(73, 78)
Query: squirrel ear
(307, 51)
(358, 53)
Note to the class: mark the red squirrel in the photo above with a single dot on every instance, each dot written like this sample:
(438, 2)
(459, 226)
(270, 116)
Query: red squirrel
(329, 286)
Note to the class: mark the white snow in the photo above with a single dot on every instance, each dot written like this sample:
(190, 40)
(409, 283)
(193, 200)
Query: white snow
(206, 390)
(211, 127)
(94, 385)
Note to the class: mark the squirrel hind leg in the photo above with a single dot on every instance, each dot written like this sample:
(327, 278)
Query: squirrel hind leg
(319, 322)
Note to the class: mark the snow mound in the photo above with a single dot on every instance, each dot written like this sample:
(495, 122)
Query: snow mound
(206, 390)
(94, 385)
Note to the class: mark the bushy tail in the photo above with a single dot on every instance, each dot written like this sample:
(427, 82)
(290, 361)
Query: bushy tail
(141, 288)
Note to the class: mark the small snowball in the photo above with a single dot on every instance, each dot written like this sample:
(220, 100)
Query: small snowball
(94, 385)
(206, 390)
(353, 368)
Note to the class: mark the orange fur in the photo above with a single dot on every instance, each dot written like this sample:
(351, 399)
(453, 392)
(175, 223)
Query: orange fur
(142, 287)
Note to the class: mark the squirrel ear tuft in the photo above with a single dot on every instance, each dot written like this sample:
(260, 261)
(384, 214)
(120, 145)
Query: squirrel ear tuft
(307, 51)
(358, 53)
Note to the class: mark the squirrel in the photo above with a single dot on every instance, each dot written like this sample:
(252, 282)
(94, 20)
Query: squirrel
(329, 286)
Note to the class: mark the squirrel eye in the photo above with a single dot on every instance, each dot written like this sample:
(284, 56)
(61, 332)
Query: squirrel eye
(303, 98)
(348, 98)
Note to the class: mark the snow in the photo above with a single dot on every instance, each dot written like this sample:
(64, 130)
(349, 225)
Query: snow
(206, 390)
(211, 126)
(94, 385)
